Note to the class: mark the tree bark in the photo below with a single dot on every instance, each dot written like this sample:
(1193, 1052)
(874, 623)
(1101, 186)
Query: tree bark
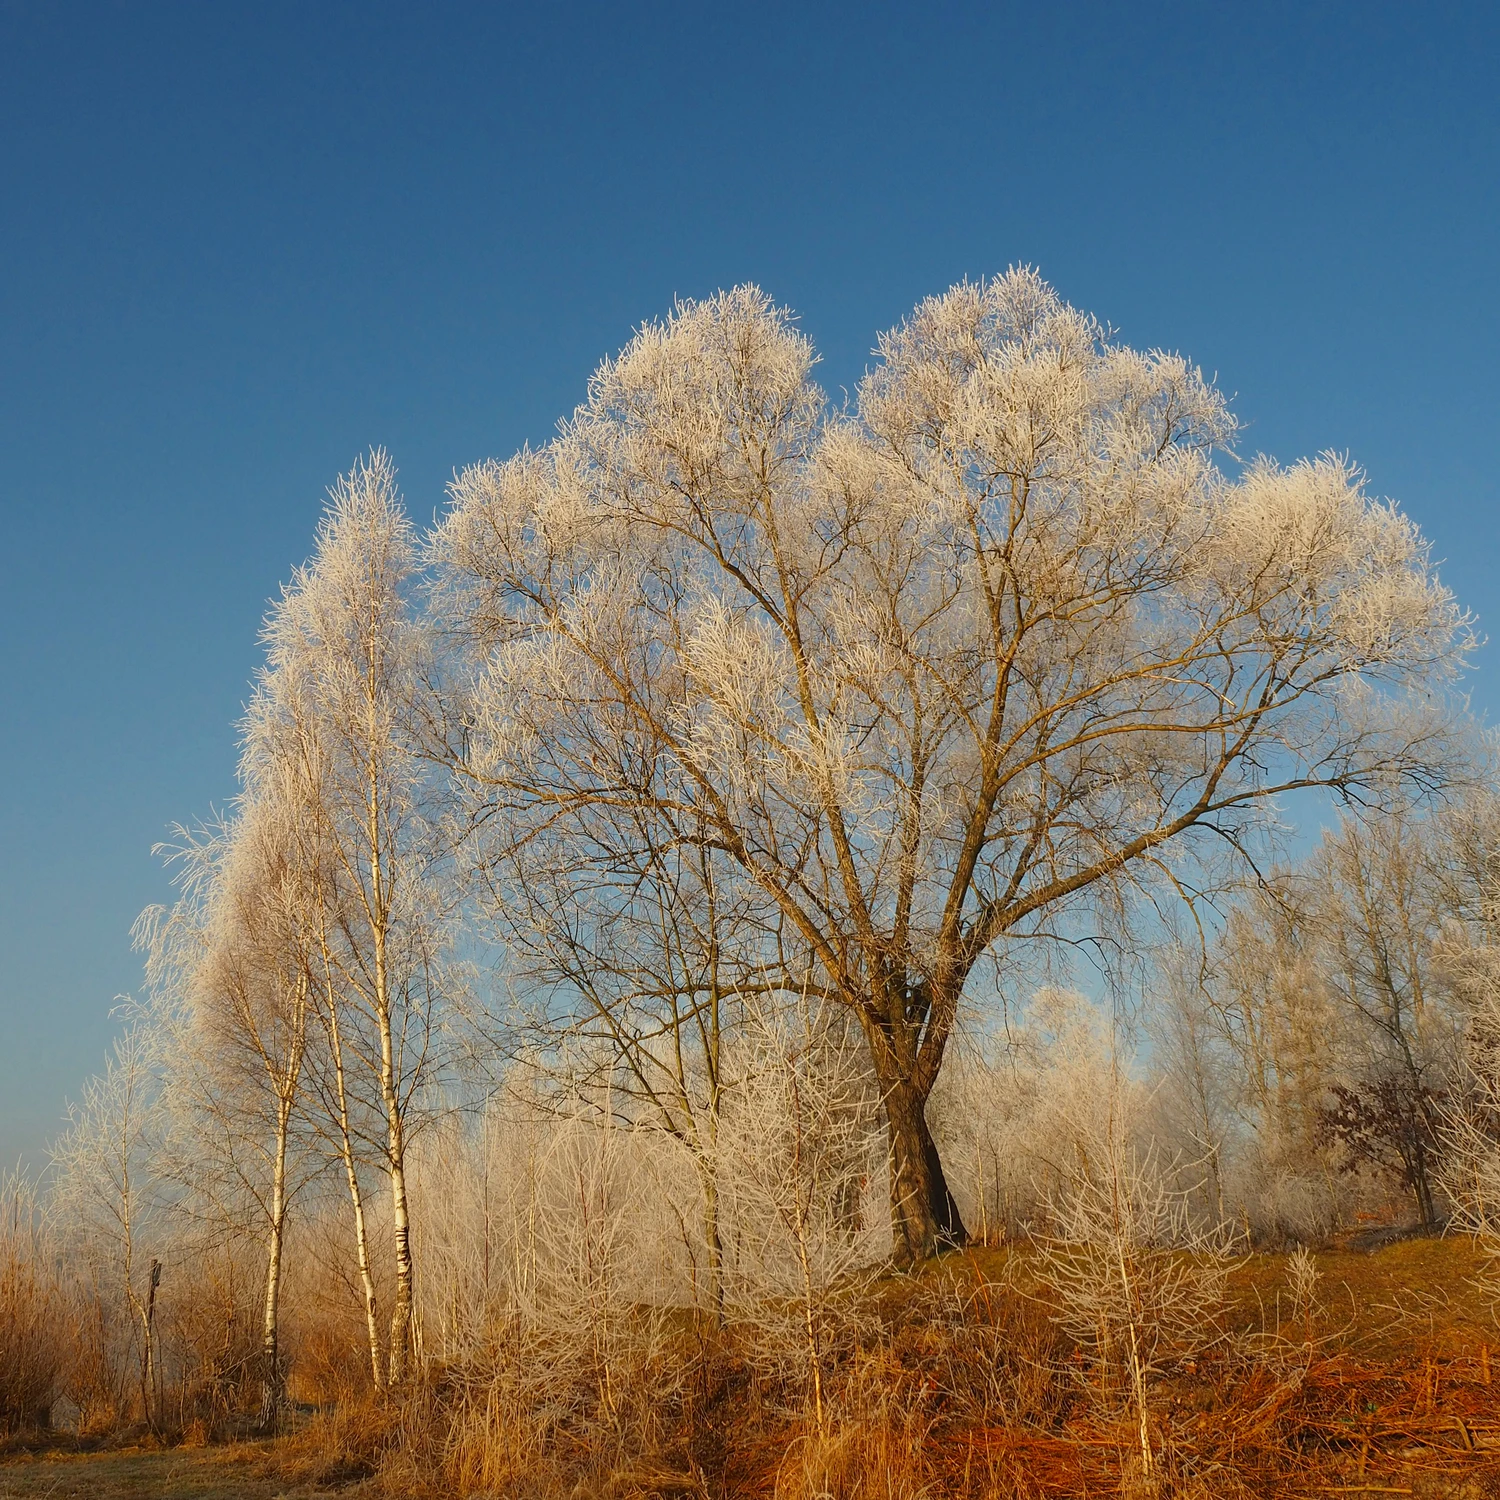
(149, 1371)
(924, 1215)
(379, 916)
(401, 1311)
(271, 1385)
(362, 1253)
(356, 1196)
(714, 1241)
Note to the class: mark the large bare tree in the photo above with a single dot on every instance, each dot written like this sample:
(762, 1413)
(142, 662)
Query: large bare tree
(934, 670)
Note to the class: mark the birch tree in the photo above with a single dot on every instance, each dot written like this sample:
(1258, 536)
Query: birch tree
(230, 967)
(937, 670)
(106, 1198)
(340, 701)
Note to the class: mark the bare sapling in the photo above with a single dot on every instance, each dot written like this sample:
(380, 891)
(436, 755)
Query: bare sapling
(801, 1147)
(1303, 1276)
(1128, 1271)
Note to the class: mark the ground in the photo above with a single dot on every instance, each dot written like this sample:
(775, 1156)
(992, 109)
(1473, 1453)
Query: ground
(240, 1471)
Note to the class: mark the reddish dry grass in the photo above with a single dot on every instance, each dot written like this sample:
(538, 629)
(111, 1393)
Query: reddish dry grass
(1390, 1386)
(968, 1393)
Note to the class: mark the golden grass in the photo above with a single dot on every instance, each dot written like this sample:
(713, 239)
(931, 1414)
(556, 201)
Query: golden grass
(240, 1471)
(1391, 1384)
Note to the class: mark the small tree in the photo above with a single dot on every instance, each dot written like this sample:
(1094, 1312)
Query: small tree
(639, 965)
(1130, 1273)
(1469, 961)
(800, 1145)
(230, 966)
(1376, 896)
(107, 1202)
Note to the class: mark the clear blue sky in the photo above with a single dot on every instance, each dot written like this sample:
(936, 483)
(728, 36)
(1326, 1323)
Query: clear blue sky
(237, 249)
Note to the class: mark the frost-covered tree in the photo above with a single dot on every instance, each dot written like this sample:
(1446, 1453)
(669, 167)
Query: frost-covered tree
(935, 671)
(1468, 968)
(338, 717)
(1379, 898)
(638, 964)
(108, 1206)
(230, 967)
(801, 1142)
(1250, 1043)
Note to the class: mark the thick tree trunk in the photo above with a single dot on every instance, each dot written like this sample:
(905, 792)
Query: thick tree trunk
(924, 1216)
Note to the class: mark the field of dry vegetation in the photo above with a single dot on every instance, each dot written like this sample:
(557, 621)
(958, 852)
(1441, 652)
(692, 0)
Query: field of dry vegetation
(1357, 1372)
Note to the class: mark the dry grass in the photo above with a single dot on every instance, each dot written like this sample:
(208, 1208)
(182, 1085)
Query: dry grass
(1384, 1383)
(32, 1332)
(241, 1471)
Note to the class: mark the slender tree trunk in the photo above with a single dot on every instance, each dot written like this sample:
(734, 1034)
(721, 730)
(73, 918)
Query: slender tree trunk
(1422, 1182)
(810, 1300)
(366, 1276)
(380, 896)
(270, 1390)
(148, 1365)
(401, 1313)
(712, 1236)
(356, 1196)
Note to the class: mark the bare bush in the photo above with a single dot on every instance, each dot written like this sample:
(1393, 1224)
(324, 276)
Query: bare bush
(1131, 1275)
(33, 1338)
(802, 1151)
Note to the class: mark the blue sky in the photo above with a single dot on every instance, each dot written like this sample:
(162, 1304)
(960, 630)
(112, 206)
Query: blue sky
(236, 249)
